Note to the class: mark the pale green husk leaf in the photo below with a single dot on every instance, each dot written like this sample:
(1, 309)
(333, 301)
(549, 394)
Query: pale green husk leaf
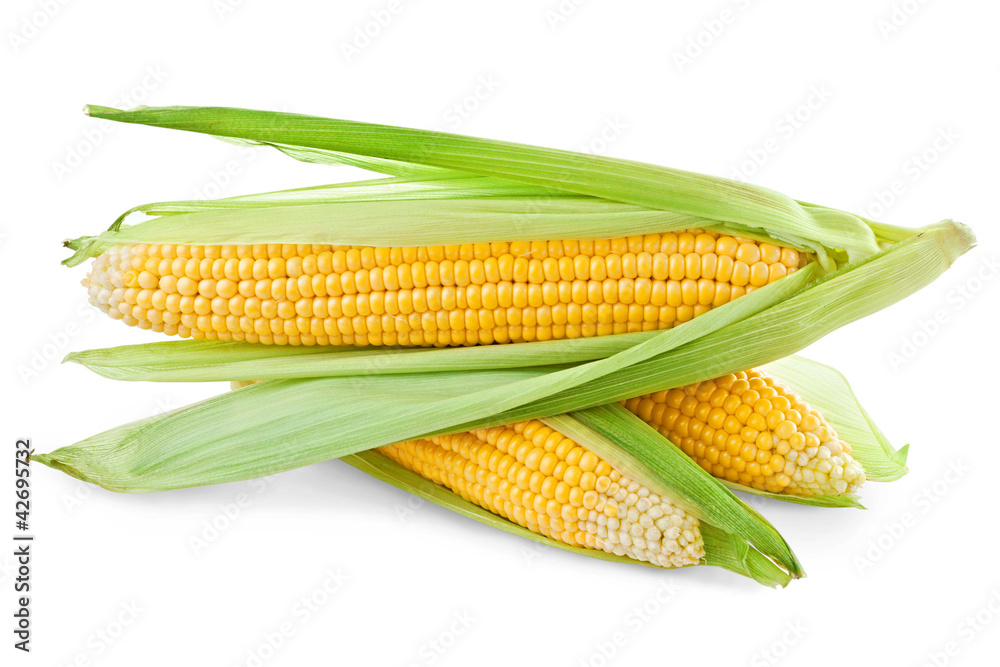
(637, 183)
(431, 164)
(388, 189)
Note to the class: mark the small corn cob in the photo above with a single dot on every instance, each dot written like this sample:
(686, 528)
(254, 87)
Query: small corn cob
(540, 479)
(750, 429)
(430, 296)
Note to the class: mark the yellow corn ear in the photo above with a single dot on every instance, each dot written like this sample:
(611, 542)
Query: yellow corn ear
(750, 429)
(433, 295)
(546, 482)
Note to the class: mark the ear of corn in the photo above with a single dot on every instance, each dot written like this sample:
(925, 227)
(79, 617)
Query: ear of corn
(749, 429)
(451, 295)
(536, 477)
(214, 360)
(541, 479)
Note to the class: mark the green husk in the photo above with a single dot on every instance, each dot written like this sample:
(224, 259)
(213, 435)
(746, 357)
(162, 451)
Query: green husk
(386, 189)
(453, 189)
(419, 221)
(212, 360)
(644, 185)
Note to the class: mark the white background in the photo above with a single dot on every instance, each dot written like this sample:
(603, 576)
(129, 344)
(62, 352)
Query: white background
(881, 93)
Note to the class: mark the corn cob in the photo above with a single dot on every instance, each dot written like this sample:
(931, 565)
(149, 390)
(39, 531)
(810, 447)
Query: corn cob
(432, 295)
(749, 429)
(538, 478)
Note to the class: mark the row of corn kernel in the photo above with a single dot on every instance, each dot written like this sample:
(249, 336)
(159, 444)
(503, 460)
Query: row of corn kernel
(230, 297)
(441, 338)
(750, 260)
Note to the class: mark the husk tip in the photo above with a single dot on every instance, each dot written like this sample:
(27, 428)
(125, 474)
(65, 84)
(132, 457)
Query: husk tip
(97, 111)
(63, 463)
(956, 238)
(81, 250)
(899, 458)
(44, 459)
